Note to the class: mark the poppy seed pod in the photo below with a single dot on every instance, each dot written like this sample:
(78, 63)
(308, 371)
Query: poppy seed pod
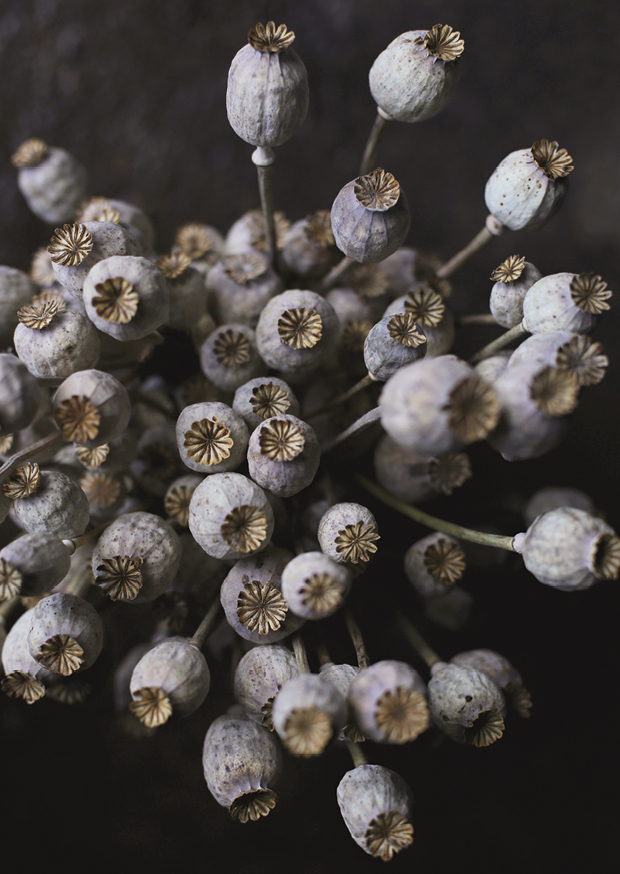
(309, 246)
(20, 395)
(54, 342)
(259, 676)
(552, 498)
(565, 302)
(569, 549)
(466, 704)
(416, 477)
(564, 350)
(40, 560)
(267, 94)
(375, 804)
(409, 268)
(388, 702)
(248, 233)
(505, 675)
(241, 761)
(203, 245)
(229, 357)
(128, 215)
(513, 279)
(264, 397)
(307, 712)
(57, 505)
(91, 407)
(283, 455)
(348, 533)
(370, 217)
(434, 563)
(51, 179)
(178, 496)
(314, 585)
(430, 312)
(452, 610)
(76, 248)
(527, 187)
(24, 675)
(391, 343)
(66, 634)
(16, 290)
(492, 368)
(239, 286)
(211, 437)
(342, 676)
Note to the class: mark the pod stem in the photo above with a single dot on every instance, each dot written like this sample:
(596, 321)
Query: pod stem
(426, 653)
(206, 626)
(264, 158)
(377, 133)
(491, 229)
(356, 754)
(501, 341)
(356, 638)
(361, 424)
(365, 381)
(477, 319)
(336, 273)
(498, 540)
(323, 654)
(75, 542)
(24, 454)
(301, 656)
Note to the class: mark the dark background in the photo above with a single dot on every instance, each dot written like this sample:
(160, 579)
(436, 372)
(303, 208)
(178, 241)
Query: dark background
(136, 90)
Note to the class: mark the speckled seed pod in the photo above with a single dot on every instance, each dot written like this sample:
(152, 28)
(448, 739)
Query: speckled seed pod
(569, 549)
(314, 585)
(527, 187)
(283, 455)
(370, 217)
(33, 564)
(126, 296)
(239, 286)
(554, 497)
(66, 634)
(264, 397)
(348, 533)
(431, 314)
(492, 368)
(136, 557)
(241, 761)
(229, 357)
(451, 611)
(172, 677)
(16, 291)
(388, 702)
(502, 671)
(24, 675)
(565, 302)
(56, 506)
(466, 704)
(437, 405)
(91, 407)
(341, 676)
(415, 477)
(211, 438)
(307, 712)
(247, 234)
(267, 94)
(52, 181)
(20, 395)
(259, 676)
(55, 343)
(296, 332)
(309, 246)
(575, 353)
(391, 343)
(252, 599)
(230, 516)
(513, 279)
(416, 75)
(77, 248)
(178, 496)
(434, 563)
(375, 804)
(128, 215)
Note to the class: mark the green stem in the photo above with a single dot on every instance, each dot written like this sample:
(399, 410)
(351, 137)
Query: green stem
(498, 344)
(477, 319)
(369, 161)
(205, 627)
(428, 655)
(356, 754)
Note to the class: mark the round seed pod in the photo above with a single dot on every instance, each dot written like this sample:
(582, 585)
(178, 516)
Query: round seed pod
(56, 506)
(105, 492)
(342, 676)
(353, 309)
(54, 342)
(437, 405)
(391, 343)
(91, 407)
(527, 187)
(21, 397)
(248, 234)
(136, 557)
(16, 291)
(375, 804)
(158, 461)
(252, 598)
(430, 312)
(309, 246)
(409, 268)
(229, 357)
(492, 368)
(178, 496)
(259, 676)
(502, 671)
(416, 477)
(186, 292)
(211, 437)
(283, 455)
(552, 498)
(267, 94)
(434, 563)
(575, 353)
(565, 302)
(76, 248)
(203, 245)
(513, 279)
(173, 676)
(388, 702)
(41, 560)
(264, 397)
(24, 675)
(348, 533)
(466, 704)
(239, 286)
(241, 760)
(296, 332)
(122, 675)
(314, 585)
(120, 212)
(110, 457)
(370, 217)
(126, 296)
(230, 516)
(52, 181)
(307, 712)
(416, 75)
(66, 634)
(569, 549)
(451, 611)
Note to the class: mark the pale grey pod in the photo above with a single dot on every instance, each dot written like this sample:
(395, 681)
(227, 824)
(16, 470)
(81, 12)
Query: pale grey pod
(42, 560)
(368, 234)
(20, 395)
(122, 675)
(204, 261)
(540, 349)
(466, 704)
(492, 368)
(54, 188)
(121, 453)
(307, 712)
(306, 256)
(211, 437)
(404, 474)
(271, 459)
(16, 290)
(314, 585)
(68, 344)
(388, 702)
(57, 506)
(178, 496)
(106, 393)
(15, 653)
(147, 281)
(179, 669)
(492, 663)
(407, 83)
(247, 234)
(549, 306)
(239, 287)
(439, 338)
(506, 302)
(554, 497)
(229, 356)
(264, 397)
(132, 218)
(188, 299)
(371, 798)
(342, 676)
(64, 613)
(259, 676)
(426, 554)
(451, 611)
(223, 496)
(347, 532)
(406, 270)
(349, 306)
(108, 240)
(384, 354)
(520, 195)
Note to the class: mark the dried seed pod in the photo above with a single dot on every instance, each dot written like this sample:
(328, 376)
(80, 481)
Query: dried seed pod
(24, 675)
(203, 244)
(565, 302)
(41, 559)
(341, 676)
(388, 702)
(110, 457)
(307, 712)
(466, 704)
(230, 516)
(186, 292)
(229, 357)
(105, 492)
(57, 506)
(157, 461)
(505, 675)
(370, 217)
(348, 533)
(451, 611)
(391, 343)
(552, 498)
(211, 437)
(564, 350)
(91, 407)
(569, 549)
(434, 563)
(309, 246)
(105, 240)
(527, 187)
(241, 761)
(66, 634)
(492, 368)
(199, 576)
(67, 343)
(415, 477)
(52, 181)
(283, 455)
(248, 234)
(129, 216)
(264, 397)
(239, 286)
(409, 268)
(178, 497)
(513, 279)
(259, 676)
(432, 315)
(314, 585)
(16, 290)
(354, 309)
(21, 397)
(375, 804)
